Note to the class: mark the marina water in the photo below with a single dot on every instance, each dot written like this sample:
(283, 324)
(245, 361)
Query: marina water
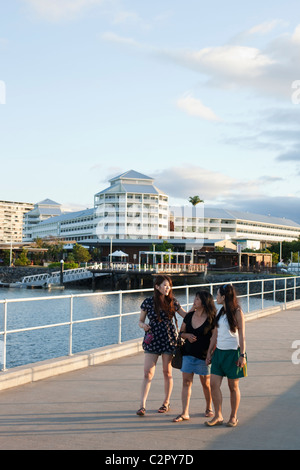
(37, 345)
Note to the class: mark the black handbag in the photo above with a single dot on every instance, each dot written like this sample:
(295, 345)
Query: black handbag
(177, 358)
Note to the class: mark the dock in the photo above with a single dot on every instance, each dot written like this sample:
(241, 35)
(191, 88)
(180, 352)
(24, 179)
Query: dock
(94, 408)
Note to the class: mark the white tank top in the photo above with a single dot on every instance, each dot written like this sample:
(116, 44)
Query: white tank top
(226, 339)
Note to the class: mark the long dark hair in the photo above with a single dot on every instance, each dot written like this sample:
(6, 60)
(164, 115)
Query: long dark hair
(208, 303)
(231, 306)
(166, 304)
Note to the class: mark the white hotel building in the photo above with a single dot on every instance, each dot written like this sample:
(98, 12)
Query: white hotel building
(132, 208)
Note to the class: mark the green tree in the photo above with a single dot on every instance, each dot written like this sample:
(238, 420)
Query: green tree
(287, 249)
(22, 259)
(81, 254)
(164, 246)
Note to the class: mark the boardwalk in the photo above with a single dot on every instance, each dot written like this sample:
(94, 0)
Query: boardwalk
(94, 408)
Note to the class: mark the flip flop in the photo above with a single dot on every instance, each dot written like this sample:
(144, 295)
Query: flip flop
(209, 413)
(230, 424)
(216, 423)
(180, 418)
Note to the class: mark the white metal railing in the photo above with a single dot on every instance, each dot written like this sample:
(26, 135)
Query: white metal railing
(181, 267)
(278, 286)
(159, 267)
(54, 278)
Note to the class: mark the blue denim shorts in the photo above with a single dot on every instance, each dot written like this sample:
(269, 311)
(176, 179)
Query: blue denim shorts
(191, 364)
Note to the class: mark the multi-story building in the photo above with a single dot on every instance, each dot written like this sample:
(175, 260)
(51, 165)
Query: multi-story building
(42, 210)
(11, 220)
(132, 209)
(214, 223)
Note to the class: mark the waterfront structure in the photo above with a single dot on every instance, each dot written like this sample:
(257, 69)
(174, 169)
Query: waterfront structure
(41, 211)
(132, 207)
(133, 212)
(79, 226)
(250, 230)
(11, 220)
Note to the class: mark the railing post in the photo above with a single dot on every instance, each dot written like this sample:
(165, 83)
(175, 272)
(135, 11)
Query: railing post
(4, 335)
(71, 327)
(248, 297)
(120, 317)
(187, 296)
(262, 293)
(285, 279)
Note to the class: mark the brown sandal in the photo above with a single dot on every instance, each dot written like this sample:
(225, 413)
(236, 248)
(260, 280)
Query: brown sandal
(141, 411)
(164, 408)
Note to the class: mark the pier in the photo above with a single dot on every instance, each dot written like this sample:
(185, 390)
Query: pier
(93, 408)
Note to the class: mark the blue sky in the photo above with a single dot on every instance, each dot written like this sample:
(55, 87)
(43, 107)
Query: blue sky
(203, 96)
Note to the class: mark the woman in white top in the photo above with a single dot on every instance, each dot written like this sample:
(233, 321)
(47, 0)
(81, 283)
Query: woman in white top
(227, 354)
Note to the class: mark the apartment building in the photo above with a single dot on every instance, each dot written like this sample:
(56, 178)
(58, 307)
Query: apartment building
(11, 220)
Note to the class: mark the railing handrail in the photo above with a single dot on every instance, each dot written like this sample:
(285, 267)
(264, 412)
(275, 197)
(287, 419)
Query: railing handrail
(120, 294)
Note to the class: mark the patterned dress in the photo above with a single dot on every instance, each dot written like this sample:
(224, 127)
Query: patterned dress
(164, 334)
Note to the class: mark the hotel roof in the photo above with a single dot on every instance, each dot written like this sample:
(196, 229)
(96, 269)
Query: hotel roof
(132, 174)
(217, 213)
(68, 216)
(132, 182)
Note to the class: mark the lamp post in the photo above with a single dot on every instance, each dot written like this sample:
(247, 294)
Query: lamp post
(62, 272)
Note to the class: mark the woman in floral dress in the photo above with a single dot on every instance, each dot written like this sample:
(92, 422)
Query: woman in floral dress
(160, 338)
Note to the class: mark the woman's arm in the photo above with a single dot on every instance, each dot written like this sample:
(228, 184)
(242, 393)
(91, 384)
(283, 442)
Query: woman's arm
(182, 312)
(242, 341)
(212, 345)
(142, 323)
(184, 335)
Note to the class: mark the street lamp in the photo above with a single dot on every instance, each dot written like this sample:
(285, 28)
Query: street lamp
(62, 272)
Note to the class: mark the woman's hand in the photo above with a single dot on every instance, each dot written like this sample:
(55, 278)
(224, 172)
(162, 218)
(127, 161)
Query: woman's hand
(190, 337)
(241, 361)
(144, 326)
(208, 359)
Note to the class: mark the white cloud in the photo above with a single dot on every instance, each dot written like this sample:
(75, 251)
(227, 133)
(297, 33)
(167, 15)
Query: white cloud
(296, 35)
(195, 107)
(268, 70)
(221, 190)
(232, 62)
(112, 37)
(182, 182)
(55, 10)
(265, 27)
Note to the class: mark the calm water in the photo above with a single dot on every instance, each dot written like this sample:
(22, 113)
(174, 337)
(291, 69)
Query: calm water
(38, 345)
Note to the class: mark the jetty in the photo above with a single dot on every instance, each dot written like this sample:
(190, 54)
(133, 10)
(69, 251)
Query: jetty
(94, 407)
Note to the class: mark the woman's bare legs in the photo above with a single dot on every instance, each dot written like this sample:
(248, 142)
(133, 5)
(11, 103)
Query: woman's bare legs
(149, 371)
(168, 379)
(187, 382)
(235, 398)
(205, 382)
(215, 384)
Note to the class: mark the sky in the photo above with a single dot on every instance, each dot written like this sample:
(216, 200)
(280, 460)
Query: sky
(202, 96)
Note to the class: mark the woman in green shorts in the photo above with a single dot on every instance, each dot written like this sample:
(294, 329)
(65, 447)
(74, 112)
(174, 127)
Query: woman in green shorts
(227, 354)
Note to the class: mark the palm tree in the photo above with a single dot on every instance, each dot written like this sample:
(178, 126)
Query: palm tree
(195, 200)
